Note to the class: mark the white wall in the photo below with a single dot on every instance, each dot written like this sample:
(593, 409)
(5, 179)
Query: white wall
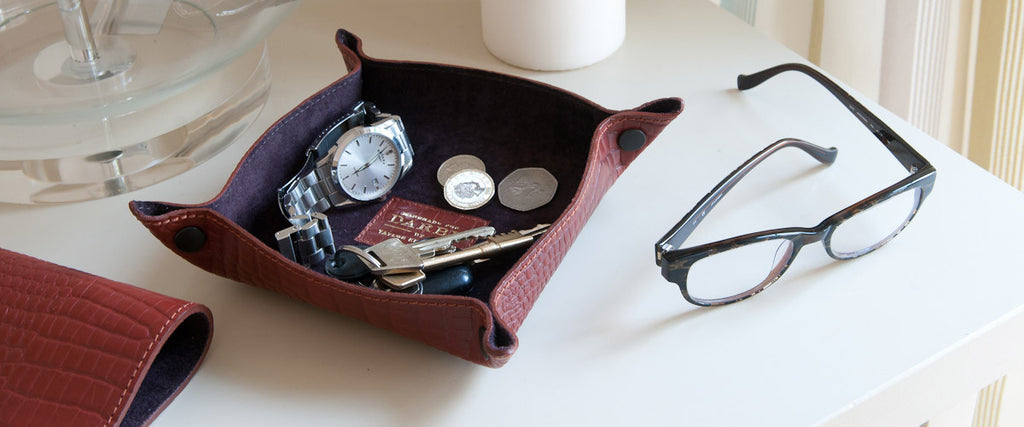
(852, 32)
(788, 21)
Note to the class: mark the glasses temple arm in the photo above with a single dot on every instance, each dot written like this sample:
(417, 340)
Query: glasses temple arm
(904, 153)
(682, 230)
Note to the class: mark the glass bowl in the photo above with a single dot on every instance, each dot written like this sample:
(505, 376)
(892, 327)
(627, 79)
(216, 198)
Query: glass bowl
(104, 97)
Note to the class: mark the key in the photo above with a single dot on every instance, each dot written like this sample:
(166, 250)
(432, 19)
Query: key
(346, 263)
(400, 267)
(399, 257)
(429, 247)
(489, 247)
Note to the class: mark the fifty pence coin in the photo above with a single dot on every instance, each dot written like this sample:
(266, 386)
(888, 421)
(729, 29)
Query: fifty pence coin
(458, 163)
(527, 189)
(469, 189)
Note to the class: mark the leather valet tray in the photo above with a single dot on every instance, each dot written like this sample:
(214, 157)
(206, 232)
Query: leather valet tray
(507, 122)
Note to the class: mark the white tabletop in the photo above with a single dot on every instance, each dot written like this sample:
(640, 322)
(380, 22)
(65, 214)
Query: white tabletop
(891, 338)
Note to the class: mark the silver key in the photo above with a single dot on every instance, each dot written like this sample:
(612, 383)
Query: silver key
(399, 266)
(429, 247)
(408, 257)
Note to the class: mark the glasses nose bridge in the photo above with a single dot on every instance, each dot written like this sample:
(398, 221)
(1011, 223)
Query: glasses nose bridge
(811, 236)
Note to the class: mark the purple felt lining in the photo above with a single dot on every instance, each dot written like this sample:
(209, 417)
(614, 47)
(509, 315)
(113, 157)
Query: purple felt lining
(507, 122)
(172, 366)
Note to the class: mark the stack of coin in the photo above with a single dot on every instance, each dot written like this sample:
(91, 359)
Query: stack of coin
(458, 163)
(467, 185)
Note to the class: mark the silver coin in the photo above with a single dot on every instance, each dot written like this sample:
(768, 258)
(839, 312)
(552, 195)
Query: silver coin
(458, 163)
(469, 189)
(527, 189)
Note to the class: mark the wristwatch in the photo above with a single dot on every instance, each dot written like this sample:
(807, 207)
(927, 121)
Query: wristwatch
(358, 159)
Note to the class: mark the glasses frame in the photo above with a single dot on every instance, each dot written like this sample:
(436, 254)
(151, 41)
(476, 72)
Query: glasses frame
(675, 262)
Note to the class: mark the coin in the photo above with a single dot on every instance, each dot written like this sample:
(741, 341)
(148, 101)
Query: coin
(469, 189)
(527, 189)
(458, 163)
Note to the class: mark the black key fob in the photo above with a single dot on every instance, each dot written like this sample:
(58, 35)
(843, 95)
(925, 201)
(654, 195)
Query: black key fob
(450, 281)
(346, 266)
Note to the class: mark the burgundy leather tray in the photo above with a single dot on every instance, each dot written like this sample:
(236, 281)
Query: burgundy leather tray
(81, 350)
(508, 122)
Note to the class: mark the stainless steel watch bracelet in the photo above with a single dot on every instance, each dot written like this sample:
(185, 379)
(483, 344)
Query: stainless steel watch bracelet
(308, 243)
(311, 192)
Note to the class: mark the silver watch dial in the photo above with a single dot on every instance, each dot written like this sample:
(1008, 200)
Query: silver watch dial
(368, 166)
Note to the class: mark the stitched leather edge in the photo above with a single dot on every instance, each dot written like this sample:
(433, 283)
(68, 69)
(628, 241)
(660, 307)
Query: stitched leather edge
(193, 216)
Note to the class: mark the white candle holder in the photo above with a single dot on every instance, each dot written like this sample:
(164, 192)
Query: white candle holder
(553, 35)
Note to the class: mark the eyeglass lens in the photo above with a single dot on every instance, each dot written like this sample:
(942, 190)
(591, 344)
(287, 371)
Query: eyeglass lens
(873, 227)
(735, 271)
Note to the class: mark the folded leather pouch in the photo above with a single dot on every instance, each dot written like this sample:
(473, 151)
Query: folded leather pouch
(508, 122)
(81, 350)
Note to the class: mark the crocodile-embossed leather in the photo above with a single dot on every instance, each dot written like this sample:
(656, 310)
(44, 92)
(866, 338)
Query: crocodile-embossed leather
(507, 121)
(81, 350)
(517, 292)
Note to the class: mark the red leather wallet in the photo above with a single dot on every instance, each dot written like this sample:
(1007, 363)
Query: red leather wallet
(81, 350)
(507, 121)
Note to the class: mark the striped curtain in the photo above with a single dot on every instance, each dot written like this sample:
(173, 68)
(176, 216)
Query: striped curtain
(997, 118)
(744, 9)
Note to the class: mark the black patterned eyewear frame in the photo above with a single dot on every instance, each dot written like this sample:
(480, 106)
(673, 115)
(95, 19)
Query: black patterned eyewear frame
(675, 263)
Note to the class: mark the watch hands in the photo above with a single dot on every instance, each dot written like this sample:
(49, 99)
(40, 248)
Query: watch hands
(367, 164)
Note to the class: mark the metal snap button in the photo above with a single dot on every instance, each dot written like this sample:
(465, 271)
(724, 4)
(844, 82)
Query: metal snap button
(190, 239)
(632, 139)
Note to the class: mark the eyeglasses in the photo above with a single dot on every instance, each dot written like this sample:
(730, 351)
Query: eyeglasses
(734, 269)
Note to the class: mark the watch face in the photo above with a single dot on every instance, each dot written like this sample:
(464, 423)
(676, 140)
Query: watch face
(368, 166)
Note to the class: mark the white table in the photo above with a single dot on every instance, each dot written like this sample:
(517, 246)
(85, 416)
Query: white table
(892, 338)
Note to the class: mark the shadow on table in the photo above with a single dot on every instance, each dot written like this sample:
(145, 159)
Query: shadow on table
(284, 350)
(274, 345)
